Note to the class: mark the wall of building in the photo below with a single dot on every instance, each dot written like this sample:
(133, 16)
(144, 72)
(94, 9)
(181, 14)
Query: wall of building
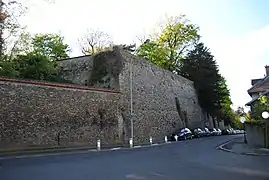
(33, 113)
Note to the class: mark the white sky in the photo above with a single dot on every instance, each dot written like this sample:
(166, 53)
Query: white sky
(241, 50)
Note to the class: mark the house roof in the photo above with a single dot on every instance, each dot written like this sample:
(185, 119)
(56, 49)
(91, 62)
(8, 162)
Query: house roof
(258, 84)
(255, 99)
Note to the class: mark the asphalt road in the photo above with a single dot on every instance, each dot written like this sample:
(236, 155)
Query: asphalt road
(191, 159)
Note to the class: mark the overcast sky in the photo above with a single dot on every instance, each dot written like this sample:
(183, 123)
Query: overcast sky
(236, 31)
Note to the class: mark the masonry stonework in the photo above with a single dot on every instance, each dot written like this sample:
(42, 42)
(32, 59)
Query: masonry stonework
(155, 91)
(33, 115)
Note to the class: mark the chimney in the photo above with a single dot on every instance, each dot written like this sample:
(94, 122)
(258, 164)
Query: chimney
(267, 70)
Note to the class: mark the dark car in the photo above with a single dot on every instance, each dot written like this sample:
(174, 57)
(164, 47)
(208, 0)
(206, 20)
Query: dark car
(185, 134)
(225, 132)
(197, 132)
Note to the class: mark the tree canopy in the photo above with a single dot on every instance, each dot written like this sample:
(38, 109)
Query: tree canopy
(167, 48)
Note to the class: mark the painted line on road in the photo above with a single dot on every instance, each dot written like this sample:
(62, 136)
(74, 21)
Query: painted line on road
(116, 148)
(137, 146)
(155, 144)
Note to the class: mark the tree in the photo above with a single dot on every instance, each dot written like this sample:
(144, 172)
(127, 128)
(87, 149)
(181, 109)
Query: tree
(51, 46)
(10, 27)
(175, 39)
(95, 41)
(35, 66)
(258, 107)
(200, 67)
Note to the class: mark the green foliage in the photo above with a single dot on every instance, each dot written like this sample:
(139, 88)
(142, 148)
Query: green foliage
(50, 46)
(259, 123)
(167, 49)
(34, 57)
(99, 69)
(33, 66)
(200, 67)
(259, 106)
(213, 94)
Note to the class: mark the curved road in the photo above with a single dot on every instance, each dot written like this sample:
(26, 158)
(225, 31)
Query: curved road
(192, 159)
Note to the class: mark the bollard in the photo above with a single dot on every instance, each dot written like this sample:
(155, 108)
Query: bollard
(150, 140)
(165, 139)
(98, 144)
(131, 142)
(176, 137)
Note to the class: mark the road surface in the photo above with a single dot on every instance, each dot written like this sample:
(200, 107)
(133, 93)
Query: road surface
(191, 159)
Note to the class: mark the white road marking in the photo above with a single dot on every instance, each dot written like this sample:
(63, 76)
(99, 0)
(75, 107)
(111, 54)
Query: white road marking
(113, 149)
(134, 176)
(137, 146)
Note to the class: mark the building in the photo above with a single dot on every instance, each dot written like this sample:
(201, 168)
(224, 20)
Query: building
(260, 87)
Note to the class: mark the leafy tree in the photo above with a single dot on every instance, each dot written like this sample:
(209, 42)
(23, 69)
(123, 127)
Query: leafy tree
(33, 66)
(259, 106)
(200, 67)
(169, 46)
(50, 46)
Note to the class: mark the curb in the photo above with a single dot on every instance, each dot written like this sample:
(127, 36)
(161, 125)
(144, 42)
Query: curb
(75, 151)
(221, 147)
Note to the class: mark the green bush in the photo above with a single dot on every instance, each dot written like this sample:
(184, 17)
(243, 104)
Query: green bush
(260, 123)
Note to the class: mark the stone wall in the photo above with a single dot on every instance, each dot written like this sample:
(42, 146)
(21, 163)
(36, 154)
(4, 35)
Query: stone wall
(255, 135)
(33, 113)
(155, 91)
(76, 69)
(154, 99)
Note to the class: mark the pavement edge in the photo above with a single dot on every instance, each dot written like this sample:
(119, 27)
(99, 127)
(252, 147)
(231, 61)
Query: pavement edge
(221, 147)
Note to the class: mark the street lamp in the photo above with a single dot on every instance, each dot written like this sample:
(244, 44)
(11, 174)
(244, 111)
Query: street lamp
(131, 99)
(243, 121)
(265, 116)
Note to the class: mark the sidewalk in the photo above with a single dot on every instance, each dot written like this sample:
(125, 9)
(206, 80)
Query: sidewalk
(238, 146)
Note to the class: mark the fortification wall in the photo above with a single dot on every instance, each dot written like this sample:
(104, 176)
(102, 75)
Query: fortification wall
(76, 69)
(155, 91)
(33, 113)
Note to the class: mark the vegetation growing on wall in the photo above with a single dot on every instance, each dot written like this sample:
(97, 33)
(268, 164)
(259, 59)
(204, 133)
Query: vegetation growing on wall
(99, 70)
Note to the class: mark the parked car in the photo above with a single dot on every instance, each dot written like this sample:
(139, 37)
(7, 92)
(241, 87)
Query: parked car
(206, 132)
(213, 132)
(185, 134)
(197, 132)
(225, 132)
(219, 132)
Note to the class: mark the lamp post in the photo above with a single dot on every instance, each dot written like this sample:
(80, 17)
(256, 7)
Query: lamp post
(265, 116)
(131, 99)
(243, 120)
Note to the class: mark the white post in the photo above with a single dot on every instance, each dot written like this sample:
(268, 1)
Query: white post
(165, 139)
(131, 142)
(150, 140)
(98, 144)
(176, 137)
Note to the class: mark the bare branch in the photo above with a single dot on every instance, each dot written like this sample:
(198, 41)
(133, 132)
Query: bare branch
(94, 41)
